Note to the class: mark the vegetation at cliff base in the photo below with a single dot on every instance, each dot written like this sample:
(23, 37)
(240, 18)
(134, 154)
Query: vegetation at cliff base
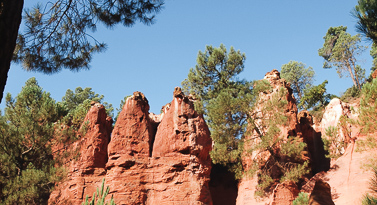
(301, 199)
(27, 134)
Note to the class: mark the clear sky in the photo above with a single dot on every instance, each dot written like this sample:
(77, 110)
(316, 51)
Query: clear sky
(155, 59)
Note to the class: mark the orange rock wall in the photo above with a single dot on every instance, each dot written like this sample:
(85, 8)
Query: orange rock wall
(142, 164)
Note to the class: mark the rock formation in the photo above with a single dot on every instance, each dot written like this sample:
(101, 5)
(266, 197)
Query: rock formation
(150, 159)
(336, 115)
(321, 194)
(86, 172)
(164, 159)
(285, 193)
(291, 128)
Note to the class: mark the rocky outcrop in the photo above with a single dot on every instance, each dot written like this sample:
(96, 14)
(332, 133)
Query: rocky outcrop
(181, 156)
(86, 172)
(150, 159)
(336, 115)
(247, 185)
(285, 193)
(321, 194)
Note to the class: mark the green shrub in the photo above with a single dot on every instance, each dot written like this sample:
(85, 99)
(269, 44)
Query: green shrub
(368, 108)
(302, 199)
(332, 144)
(364, 145)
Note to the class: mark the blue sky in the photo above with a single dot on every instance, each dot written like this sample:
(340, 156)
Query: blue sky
(155, 59)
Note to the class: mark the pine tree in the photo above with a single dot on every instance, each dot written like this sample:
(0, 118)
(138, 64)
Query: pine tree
(340, 49)
(223, 99)
(27, 130)
(300, 77)
(59, 35)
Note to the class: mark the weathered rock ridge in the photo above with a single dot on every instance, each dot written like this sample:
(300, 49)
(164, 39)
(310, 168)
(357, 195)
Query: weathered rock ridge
(148, 159)
(164, 159)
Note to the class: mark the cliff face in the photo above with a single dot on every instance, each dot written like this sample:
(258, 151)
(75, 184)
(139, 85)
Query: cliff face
(87, 169)
(146, 161)
(164, 159)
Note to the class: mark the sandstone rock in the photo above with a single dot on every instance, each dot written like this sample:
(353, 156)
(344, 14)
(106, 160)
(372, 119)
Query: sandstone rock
(246, 190)
(247, 185)
(285, 193)
(182, 144)
(182, 131)
(335, 115)
(129, 151)
(348, 179)
(86, 172)
(133, 134)
(321, 194)
(331, 117)
(178, 172)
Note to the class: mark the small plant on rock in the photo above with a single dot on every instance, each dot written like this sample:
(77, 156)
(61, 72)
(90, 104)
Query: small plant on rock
(332, 144)
(370, 199)
(302, 199)
(100, 195)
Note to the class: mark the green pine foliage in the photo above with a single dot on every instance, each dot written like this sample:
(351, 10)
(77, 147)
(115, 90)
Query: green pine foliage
(340, 50)
(223, 99)
(76, 105)
(298, 76)
(315, 97)
(27, 133)
(59, 34)
(350, 94)
(302, 199)
(100, 195)
(366, 13)
(73, 99)
(32, 126)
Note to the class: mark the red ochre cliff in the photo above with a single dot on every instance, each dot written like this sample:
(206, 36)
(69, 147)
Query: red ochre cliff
(164, 159)
(147, 159)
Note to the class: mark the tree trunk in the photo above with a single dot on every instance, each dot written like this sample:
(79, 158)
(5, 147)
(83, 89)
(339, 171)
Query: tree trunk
(10, 20)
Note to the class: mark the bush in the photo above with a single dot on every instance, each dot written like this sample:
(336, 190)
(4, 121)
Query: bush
(332, 144)
(368, 108)
(302, 199)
